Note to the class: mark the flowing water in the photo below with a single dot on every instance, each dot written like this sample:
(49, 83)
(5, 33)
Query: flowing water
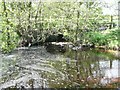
(56, 67)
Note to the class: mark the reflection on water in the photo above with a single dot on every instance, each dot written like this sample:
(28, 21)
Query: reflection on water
(37, 67)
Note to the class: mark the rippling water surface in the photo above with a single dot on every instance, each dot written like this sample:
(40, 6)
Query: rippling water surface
(41, 67)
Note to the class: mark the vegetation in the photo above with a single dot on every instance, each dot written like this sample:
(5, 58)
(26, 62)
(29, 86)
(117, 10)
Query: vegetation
(76, 39)
(109, 38)
(28, 23)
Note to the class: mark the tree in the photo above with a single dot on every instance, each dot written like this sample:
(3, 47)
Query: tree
(9, 37)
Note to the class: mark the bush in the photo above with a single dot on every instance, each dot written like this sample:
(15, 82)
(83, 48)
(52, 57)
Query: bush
(97, 38)
(110, 39)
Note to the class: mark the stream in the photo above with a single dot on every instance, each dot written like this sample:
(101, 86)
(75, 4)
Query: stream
(53, 67)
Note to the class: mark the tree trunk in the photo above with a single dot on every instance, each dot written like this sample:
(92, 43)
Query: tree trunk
(6, 16)
(76, 33)
(111, 22)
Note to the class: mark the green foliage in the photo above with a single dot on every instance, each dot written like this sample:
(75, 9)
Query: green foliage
(13, 41)
(27, 20)
(114, 38)
(9, 37)
(109, 38)
(97, 38)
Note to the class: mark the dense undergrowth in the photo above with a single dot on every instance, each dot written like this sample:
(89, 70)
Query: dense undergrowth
(108, 38)
(27, 24)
